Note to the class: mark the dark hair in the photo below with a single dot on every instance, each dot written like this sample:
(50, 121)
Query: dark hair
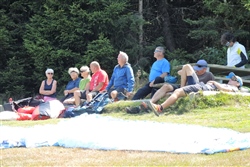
(227, 37)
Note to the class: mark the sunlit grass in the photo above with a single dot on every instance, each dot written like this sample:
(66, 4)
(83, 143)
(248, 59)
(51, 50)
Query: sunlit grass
(222, 112)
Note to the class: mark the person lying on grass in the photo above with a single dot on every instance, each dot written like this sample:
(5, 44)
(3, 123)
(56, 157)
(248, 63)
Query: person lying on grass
(189, 76)
(233, 85)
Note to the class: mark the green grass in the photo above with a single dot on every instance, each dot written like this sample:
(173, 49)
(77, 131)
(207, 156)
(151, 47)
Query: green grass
(223, 112)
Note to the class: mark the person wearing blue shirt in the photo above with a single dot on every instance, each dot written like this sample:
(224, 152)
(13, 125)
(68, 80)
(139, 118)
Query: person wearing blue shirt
(121, 84)
(72, 85)
(160, 69)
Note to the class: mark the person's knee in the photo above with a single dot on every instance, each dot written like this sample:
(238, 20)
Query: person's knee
(187, 67)
(77, 93)
(113, 94)
(167, 88)
(179, 92)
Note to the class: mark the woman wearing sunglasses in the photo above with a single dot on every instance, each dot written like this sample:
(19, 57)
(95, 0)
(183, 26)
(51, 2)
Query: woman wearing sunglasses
(48, 86)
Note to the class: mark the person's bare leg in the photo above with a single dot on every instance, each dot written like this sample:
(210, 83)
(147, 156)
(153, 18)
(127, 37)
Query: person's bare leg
(77, 95)
(113, 94)
(89, 97)
(173, 98)
(187, 70)
(160, 93)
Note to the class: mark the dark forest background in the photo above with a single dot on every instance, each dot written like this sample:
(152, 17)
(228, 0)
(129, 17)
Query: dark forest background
(58, 34)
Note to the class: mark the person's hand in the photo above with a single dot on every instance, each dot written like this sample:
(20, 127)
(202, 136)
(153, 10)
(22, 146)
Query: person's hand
(211, 82)
(151, 83)
(128, 94)
(66, 92)
(103, 91)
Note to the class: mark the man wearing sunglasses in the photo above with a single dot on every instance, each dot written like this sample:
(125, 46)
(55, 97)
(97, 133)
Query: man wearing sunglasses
(159, 69)
(236, 52)
(189, 76)
(233, 85)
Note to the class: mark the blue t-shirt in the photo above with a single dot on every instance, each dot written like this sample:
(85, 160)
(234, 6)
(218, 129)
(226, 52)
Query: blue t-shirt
(159, 67)
(73, 84)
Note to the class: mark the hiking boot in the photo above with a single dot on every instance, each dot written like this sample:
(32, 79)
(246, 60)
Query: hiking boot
(144, 107)
(132, 110)
(121, 96)
(156, 108)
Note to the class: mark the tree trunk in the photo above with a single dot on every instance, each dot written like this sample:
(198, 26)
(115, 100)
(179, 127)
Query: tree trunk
(140, 28)
(166, 29)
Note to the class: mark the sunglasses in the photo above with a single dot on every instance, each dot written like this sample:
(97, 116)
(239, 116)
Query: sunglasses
(82, 71)
(200, 66)
(50, 73)
(234, 79)
(157, 51)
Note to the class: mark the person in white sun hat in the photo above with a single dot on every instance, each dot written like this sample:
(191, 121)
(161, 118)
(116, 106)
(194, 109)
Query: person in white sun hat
(72, 85)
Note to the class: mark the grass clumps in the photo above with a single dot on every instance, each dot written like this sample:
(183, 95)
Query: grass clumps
(187, 104)
(200, 101)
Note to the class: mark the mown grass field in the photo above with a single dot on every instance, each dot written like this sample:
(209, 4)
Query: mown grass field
(234, 115)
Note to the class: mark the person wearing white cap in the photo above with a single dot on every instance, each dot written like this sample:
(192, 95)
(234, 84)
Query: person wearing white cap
(48, 86)
(72, 85)
(233, 85)
(189, 76)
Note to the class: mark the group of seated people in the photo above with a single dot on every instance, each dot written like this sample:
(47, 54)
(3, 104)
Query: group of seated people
(193, 79)
(120, 85)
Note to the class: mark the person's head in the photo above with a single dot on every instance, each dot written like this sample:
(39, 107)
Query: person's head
(84, 70)
(49, 73)
(227, 39)
(159, 52)
(94, 66)
(122, 58)
(200, 67)
(234, 80)
(73, 72)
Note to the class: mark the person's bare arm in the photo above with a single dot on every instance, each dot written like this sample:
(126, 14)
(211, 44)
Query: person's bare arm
(48, 92)
(41, 90)
(163, 74)
(98, 87)
(220, 86)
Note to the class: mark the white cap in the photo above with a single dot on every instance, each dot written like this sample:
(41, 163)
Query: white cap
(73, 69)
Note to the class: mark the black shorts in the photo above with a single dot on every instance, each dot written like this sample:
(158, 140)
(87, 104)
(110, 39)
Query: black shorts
(83, 94)
(175, 86)
(123, 90)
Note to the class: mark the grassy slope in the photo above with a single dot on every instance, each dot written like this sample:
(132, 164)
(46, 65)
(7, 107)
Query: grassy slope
(235, 116)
